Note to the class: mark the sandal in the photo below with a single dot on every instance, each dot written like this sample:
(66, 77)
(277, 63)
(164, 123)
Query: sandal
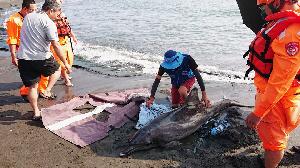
(296, 149)
(36, 118)
(51, 97)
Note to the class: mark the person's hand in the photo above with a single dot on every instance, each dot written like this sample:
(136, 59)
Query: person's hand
(205, 100)
(68, 68)
(14, 61)
(149, 102)
(75, 40)
(252, 120)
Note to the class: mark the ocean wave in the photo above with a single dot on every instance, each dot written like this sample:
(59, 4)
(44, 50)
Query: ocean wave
(121, 62)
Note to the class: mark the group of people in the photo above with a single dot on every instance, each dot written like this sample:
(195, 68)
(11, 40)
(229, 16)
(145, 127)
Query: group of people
(40, 47)
(273, 55)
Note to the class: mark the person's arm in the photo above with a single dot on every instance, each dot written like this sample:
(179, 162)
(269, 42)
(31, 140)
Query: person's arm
(73, 37)
(285, 68)
(193, 65)
(13, 54)
(199, 79)
(202, 87)
(155, 86)
(59, 53)
(286, 64)
(12, 40)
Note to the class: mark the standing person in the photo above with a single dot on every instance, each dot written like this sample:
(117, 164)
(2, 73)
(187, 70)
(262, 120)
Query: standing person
(35, 58)
(182, 69)
(65, 34)
(277, 78)
(14, 25)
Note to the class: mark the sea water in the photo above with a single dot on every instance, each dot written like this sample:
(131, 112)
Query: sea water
(129, 37)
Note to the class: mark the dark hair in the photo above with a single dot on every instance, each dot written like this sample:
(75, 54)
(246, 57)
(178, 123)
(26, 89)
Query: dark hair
(27, 3)
(276, 7)
(51, 4)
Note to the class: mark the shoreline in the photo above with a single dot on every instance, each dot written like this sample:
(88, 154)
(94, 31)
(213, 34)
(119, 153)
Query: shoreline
(28, 143)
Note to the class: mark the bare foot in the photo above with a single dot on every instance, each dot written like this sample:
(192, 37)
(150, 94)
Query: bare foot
(69, 84)
(37, 113)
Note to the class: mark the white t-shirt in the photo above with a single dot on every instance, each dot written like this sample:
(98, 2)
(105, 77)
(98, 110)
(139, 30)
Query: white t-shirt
(36, 33)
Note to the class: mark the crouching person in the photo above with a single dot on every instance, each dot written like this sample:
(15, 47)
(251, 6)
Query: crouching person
(183, 71)
(34, 55)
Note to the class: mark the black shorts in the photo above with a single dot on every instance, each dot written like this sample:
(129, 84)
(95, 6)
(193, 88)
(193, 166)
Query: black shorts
(31, 70)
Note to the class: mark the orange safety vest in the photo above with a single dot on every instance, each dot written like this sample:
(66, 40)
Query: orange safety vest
(260, 53)
(14, 25)
(63, 27)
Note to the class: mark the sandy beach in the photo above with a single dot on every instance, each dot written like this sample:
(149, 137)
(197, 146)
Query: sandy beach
(28, 144)
(25, 143)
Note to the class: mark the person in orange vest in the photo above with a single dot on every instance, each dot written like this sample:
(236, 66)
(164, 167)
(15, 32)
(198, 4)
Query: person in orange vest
(34, 55)
(275, 57)
(65, 34)
(14, 25)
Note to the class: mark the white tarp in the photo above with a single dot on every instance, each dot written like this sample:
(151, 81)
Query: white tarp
(148, 114)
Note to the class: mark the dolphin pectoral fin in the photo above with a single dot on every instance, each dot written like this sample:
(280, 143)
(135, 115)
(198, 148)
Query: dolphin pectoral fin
(136, 148)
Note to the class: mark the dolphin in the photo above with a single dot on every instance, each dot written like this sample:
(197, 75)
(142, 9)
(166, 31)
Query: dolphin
(170, 127)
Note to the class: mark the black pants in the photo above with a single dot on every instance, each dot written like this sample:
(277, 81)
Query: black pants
(31, 70)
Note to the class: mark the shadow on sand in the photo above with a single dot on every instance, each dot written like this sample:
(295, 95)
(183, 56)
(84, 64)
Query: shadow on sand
(11, 117)
(10, 86)
(7, 99)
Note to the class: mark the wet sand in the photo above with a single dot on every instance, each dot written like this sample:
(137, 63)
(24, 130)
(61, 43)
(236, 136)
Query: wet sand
(28, 144)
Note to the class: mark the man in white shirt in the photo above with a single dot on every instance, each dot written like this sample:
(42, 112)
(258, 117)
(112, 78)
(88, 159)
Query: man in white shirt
(34, 55)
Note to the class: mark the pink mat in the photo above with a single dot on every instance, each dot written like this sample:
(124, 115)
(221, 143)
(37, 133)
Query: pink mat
(84, 129)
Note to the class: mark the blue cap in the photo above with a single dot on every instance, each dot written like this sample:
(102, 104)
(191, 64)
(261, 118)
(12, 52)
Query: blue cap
(172, 59)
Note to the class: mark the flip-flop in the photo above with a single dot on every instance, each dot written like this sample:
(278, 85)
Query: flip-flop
(296, 149)
(51, 97)
(36, 118)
